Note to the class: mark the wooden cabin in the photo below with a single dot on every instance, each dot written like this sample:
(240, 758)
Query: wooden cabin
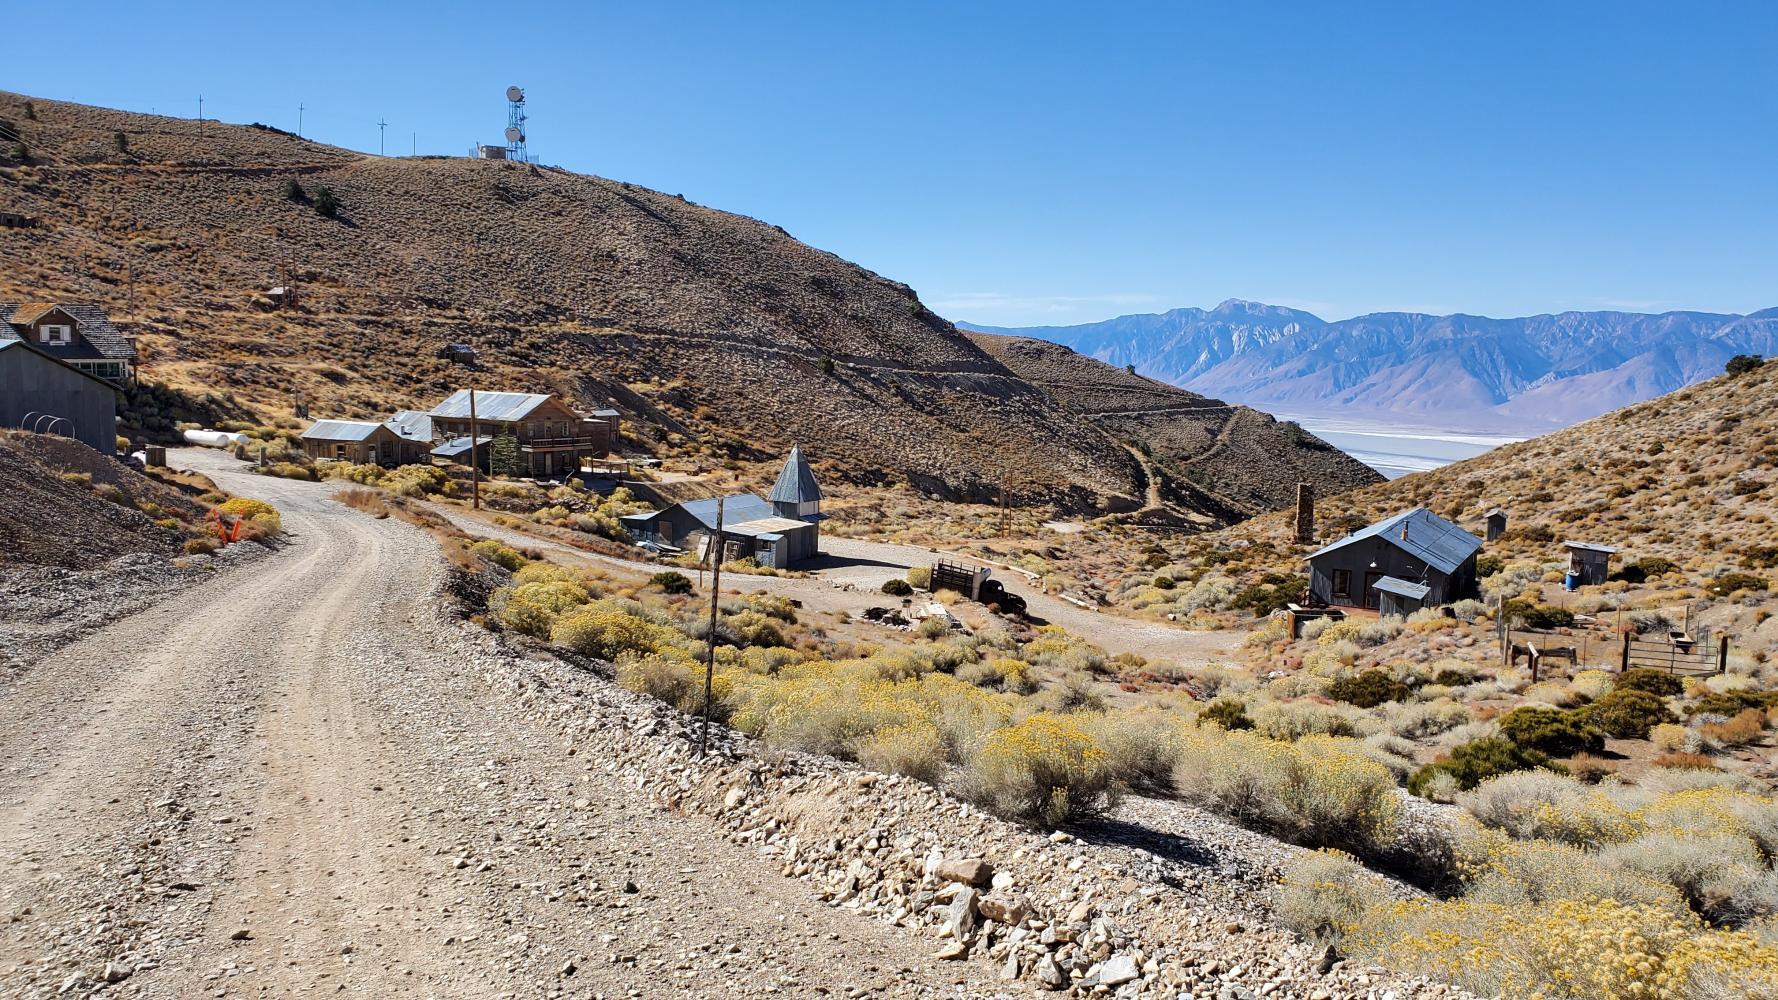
(1417, 548)
(360, 442)
(552, 438)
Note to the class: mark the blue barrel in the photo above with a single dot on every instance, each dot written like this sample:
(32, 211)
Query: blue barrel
(1571, 581)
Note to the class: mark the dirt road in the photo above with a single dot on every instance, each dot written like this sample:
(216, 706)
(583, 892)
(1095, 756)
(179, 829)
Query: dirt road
(295, 780)
(866, 565)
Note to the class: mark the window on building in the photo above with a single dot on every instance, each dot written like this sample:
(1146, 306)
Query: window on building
(1342, 584)
(55, 334)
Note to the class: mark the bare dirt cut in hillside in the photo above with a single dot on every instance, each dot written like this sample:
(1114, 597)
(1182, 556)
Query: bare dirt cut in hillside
(1228, 461)
(723, 335)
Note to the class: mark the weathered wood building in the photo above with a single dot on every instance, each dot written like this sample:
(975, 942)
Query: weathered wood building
(1412, 550)
(776, 532)
(552, 438)
(76, 333)
(43, 393)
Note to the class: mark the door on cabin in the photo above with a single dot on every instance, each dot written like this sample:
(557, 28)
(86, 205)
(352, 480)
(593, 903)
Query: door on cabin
(1372, 596)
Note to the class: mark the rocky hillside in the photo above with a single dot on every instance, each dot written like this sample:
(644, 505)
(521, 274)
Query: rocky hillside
(723, 334)
(1530, 374)
(1691, 476)
(1220, 460)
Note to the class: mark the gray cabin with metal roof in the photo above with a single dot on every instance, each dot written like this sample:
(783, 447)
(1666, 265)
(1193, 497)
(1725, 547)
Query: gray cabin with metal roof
(779, 531)
(1417, 549)
(40, 392)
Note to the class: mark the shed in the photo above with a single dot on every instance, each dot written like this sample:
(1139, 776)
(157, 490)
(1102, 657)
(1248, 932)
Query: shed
(1587, 564)
(1399, 597)
(1496, 519)
(41, 392)
(361, 442)
(414, 429)
(1416, 546)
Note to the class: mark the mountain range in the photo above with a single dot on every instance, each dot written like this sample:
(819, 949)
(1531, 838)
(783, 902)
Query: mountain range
(1525, 375)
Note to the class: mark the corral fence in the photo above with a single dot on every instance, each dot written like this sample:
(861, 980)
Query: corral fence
(1583, 648)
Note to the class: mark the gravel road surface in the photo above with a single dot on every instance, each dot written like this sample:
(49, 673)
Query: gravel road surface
(298, 780)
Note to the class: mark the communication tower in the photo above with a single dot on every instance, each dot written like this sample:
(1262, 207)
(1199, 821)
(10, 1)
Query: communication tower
(515, 124)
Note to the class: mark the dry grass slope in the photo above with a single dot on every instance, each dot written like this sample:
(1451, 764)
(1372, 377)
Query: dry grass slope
(728, 334)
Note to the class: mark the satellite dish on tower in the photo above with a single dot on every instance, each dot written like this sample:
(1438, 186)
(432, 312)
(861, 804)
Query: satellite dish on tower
(513, 134)
(514, 94)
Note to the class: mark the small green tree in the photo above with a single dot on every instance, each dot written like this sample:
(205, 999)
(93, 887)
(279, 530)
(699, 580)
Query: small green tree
(293, 190)
(327, 205)
(1741, 364)
(826, 365)
(503, 455)
(121, 141)
(30, 111)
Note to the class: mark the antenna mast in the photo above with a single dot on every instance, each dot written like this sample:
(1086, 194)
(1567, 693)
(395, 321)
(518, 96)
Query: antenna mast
(515, 124)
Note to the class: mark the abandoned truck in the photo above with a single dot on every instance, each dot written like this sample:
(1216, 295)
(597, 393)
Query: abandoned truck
(977, 585)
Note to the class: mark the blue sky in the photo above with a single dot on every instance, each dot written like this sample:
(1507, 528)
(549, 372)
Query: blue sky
(1026, 163)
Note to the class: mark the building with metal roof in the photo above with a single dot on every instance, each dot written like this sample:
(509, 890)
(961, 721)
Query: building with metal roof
(750, 530)
(1399, 597)
(41, 392)
(1588, 563)
(76, 333)
(414, 425)
(1416, 547)
(552, 438)
(361, 442)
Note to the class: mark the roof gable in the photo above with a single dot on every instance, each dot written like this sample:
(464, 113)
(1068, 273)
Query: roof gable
(24, 347)
(89, 320)
(414, 425)
(499, 407)
(1420, 533)
(341, 430)
(796, 483)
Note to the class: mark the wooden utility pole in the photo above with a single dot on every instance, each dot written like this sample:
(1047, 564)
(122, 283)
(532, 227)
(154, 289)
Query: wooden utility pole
(710, 640)
(475, 468)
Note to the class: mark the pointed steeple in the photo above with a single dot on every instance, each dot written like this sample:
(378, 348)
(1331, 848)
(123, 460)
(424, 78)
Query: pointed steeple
(796, 483)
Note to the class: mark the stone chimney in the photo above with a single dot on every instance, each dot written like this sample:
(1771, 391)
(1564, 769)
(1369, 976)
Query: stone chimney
(1305, 514)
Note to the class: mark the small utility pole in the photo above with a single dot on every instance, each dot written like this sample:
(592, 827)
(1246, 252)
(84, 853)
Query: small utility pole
(710, 640)
(200, 107)
(299, 121)
(381, 127)
(475, 466)
(413, 143)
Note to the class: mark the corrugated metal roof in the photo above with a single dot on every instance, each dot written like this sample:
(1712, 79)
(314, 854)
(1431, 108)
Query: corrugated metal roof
(796, 483)
(458, 446)
(499, 407)
(90, 320)
(340, 430)
(737, 509)
(414, 425)
(1412, 591)
(1591, 547)
(1428, 537)
(764, 526)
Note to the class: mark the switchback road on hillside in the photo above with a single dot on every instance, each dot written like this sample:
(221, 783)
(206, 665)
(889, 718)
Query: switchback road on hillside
(295, 780)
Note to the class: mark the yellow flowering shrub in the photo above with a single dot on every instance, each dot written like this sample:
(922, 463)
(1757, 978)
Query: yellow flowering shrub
(1565, 948)
(1325, 894)
(914, 749)
(262, 516)
(1045, 770)
(1319, 791)
(532, 608)
(608, 630)
(1340, 631)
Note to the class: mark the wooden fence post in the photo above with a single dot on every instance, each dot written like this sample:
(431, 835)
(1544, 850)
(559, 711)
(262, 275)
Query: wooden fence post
(1722, 655)
(1624, 662)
